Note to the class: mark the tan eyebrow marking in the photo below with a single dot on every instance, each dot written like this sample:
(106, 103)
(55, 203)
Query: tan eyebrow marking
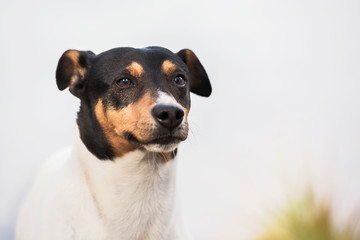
(135, 69)
(168, 67)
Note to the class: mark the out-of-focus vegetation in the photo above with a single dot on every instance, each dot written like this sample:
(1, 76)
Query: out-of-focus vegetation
(306, 219)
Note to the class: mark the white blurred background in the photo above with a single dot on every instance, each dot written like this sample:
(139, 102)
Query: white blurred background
(285, 109)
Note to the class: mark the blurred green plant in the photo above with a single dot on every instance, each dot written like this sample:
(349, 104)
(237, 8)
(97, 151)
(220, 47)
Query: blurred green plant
(305, 219)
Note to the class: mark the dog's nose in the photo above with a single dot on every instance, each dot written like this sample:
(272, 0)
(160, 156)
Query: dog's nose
(168, 116)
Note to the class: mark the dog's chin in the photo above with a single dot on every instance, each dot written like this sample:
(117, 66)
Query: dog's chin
(161, 147)
(161, 144)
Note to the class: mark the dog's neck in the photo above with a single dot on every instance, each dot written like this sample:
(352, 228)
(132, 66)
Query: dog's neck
(134, 194)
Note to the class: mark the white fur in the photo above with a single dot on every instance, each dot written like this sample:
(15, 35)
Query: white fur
(161, 148)
(77, 196)
(164, 98)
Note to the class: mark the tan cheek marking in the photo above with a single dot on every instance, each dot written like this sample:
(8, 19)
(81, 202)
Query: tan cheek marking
(119, 144)
(134, 118)
(168, 67)
(78, 71)
(135, 69)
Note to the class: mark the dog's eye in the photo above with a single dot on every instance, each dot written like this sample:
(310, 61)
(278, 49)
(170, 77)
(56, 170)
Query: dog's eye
(124, 82)
(180, 81)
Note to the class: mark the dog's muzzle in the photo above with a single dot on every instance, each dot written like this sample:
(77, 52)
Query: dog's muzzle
(169, 130)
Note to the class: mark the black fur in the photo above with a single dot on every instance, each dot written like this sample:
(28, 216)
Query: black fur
(66, 70)
(199, 80)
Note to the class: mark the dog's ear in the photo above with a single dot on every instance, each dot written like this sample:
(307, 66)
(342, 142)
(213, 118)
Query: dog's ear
(199, 80)
(72, 70)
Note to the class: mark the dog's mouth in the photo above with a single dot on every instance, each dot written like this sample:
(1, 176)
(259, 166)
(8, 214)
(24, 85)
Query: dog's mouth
(157, 143)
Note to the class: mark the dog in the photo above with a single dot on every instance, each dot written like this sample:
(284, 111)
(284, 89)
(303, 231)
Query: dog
(118, 179)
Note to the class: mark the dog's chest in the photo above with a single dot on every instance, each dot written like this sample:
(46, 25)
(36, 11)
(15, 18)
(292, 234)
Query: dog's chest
(133, 199)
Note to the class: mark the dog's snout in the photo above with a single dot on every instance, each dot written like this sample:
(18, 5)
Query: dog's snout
(168, 116)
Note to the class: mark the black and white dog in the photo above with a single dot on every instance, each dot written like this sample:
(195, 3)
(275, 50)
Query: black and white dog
(118, 180)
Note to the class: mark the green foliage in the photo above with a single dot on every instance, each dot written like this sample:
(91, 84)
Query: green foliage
(307, 220)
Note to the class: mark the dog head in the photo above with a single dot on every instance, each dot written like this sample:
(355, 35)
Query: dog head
(132, 98)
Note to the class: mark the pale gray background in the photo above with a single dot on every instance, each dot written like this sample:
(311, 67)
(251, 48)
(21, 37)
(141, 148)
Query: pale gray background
(285, 109)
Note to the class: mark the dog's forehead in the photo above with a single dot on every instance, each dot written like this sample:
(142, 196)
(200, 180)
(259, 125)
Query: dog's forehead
(150, 58)
(150, 69)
